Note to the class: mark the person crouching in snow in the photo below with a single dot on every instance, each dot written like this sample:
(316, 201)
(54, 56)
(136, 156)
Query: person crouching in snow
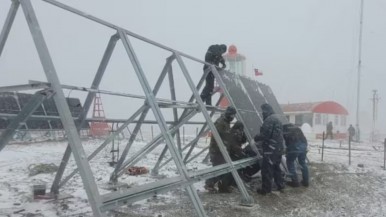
(222, 125)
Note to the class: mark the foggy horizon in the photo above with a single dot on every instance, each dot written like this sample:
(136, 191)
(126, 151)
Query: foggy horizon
(307, 49)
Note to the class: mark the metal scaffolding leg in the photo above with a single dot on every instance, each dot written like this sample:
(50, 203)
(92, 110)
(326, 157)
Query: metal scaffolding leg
(202, 129)
(23, 115)
(106, 142)
(86, 107)
(137, 128)
(175, 112)
(161, 122)
(157, 165)
(63, 109)
(191, 144)
(246, 198)
(125, 196)
(8, 24)
(153, 144)
(194, 141)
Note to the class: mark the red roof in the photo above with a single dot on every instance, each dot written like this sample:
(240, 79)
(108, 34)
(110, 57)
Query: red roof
(327, 107)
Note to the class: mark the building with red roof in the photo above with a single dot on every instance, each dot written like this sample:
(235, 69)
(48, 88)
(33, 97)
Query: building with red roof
(317, 115)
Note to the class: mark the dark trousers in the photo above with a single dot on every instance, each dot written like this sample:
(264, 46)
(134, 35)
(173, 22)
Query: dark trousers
(225, 180)
(299, 153)
(271, 169)
(252, 169)
(329, 133)
(207, 92)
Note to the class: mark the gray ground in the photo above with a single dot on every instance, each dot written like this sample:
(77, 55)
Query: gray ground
(334, 191)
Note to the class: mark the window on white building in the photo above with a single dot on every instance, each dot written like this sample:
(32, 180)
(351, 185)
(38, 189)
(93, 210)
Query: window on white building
(324, 119)
(343, 120)
(336, 122)
(318, 119)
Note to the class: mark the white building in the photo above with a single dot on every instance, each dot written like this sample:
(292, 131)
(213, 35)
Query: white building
(317, 115)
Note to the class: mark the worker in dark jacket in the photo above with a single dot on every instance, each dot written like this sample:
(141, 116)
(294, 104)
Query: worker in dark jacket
(351, 132)
(213, 56)
(235, 141)
(271, 136)
(296, 144)
(222, 125)
(329, 128)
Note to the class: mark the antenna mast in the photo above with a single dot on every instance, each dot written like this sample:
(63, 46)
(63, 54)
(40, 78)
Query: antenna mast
(359, 70)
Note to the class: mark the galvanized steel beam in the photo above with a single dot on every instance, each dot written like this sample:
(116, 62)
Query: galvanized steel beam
(86, 107)
(62, 106)
(23, 115)
(8, 24)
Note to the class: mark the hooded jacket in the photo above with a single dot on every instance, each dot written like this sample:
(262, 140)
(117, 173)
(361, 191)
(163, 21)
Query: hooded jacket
(271, 132)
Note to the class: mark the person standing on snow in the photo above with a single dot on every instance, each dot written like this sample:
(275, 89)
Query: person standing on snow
(222, 125)
(271, 136)
(329, 130)
(351, 132)
(212, 56)
(296, 144)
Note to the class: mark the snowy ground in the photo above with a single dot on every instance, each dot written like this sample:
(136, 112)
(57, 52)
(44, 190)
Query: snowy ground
(337, 189)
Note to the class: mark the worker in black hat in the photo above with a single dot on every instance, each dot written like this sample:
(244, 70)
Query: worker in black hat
(214, 56)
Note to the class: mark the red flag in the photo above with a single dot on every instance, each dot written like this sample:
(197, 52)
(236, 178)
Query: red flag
(257, 72)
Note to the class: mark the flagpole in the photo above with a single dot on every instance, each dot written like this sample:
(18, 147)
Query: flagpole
(359, 70)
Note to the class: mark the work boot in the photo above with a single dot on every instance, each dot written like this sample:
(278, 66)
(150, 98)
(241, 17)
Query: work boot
(305, 184)
(280, 188)
(293, 184)
(228, 189)
(262, 192)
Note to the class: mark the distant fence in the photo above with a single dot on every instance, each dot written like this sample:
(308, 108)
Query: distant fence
(348, 149)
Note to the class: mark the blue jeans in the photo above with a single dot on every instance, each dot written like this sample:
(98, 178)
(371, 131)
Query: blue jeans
(298, 152)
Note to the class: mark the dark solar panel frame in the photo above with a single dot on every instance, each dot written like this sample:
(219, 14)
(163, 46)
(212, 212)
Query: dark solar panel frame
(9, 105)
(242, 101)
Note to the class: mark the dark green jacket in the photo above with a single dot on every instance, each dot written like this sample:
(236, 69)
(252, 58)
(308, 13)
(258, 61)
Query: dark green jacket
(223, 127)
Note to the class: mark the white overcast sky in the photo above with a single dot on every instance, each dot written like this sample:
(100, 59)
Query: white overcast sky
(307, 49)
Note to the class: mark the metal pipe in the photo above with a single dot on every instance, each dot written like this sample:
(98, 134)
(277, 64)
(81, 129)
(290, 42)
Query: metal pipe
(8, 24)
(161, 122)
(137, 127)
(384, 155)
(105, 143)
(23, 87)
(87, 104)
(323, 145)
(116, 199)
(93, 90)
(359, 69)
(62, 106)
(110, 25)
(349, 151)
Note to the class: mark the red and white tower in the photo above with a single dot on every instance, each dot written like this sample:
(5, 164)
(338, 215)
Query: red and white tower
(99, 126)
